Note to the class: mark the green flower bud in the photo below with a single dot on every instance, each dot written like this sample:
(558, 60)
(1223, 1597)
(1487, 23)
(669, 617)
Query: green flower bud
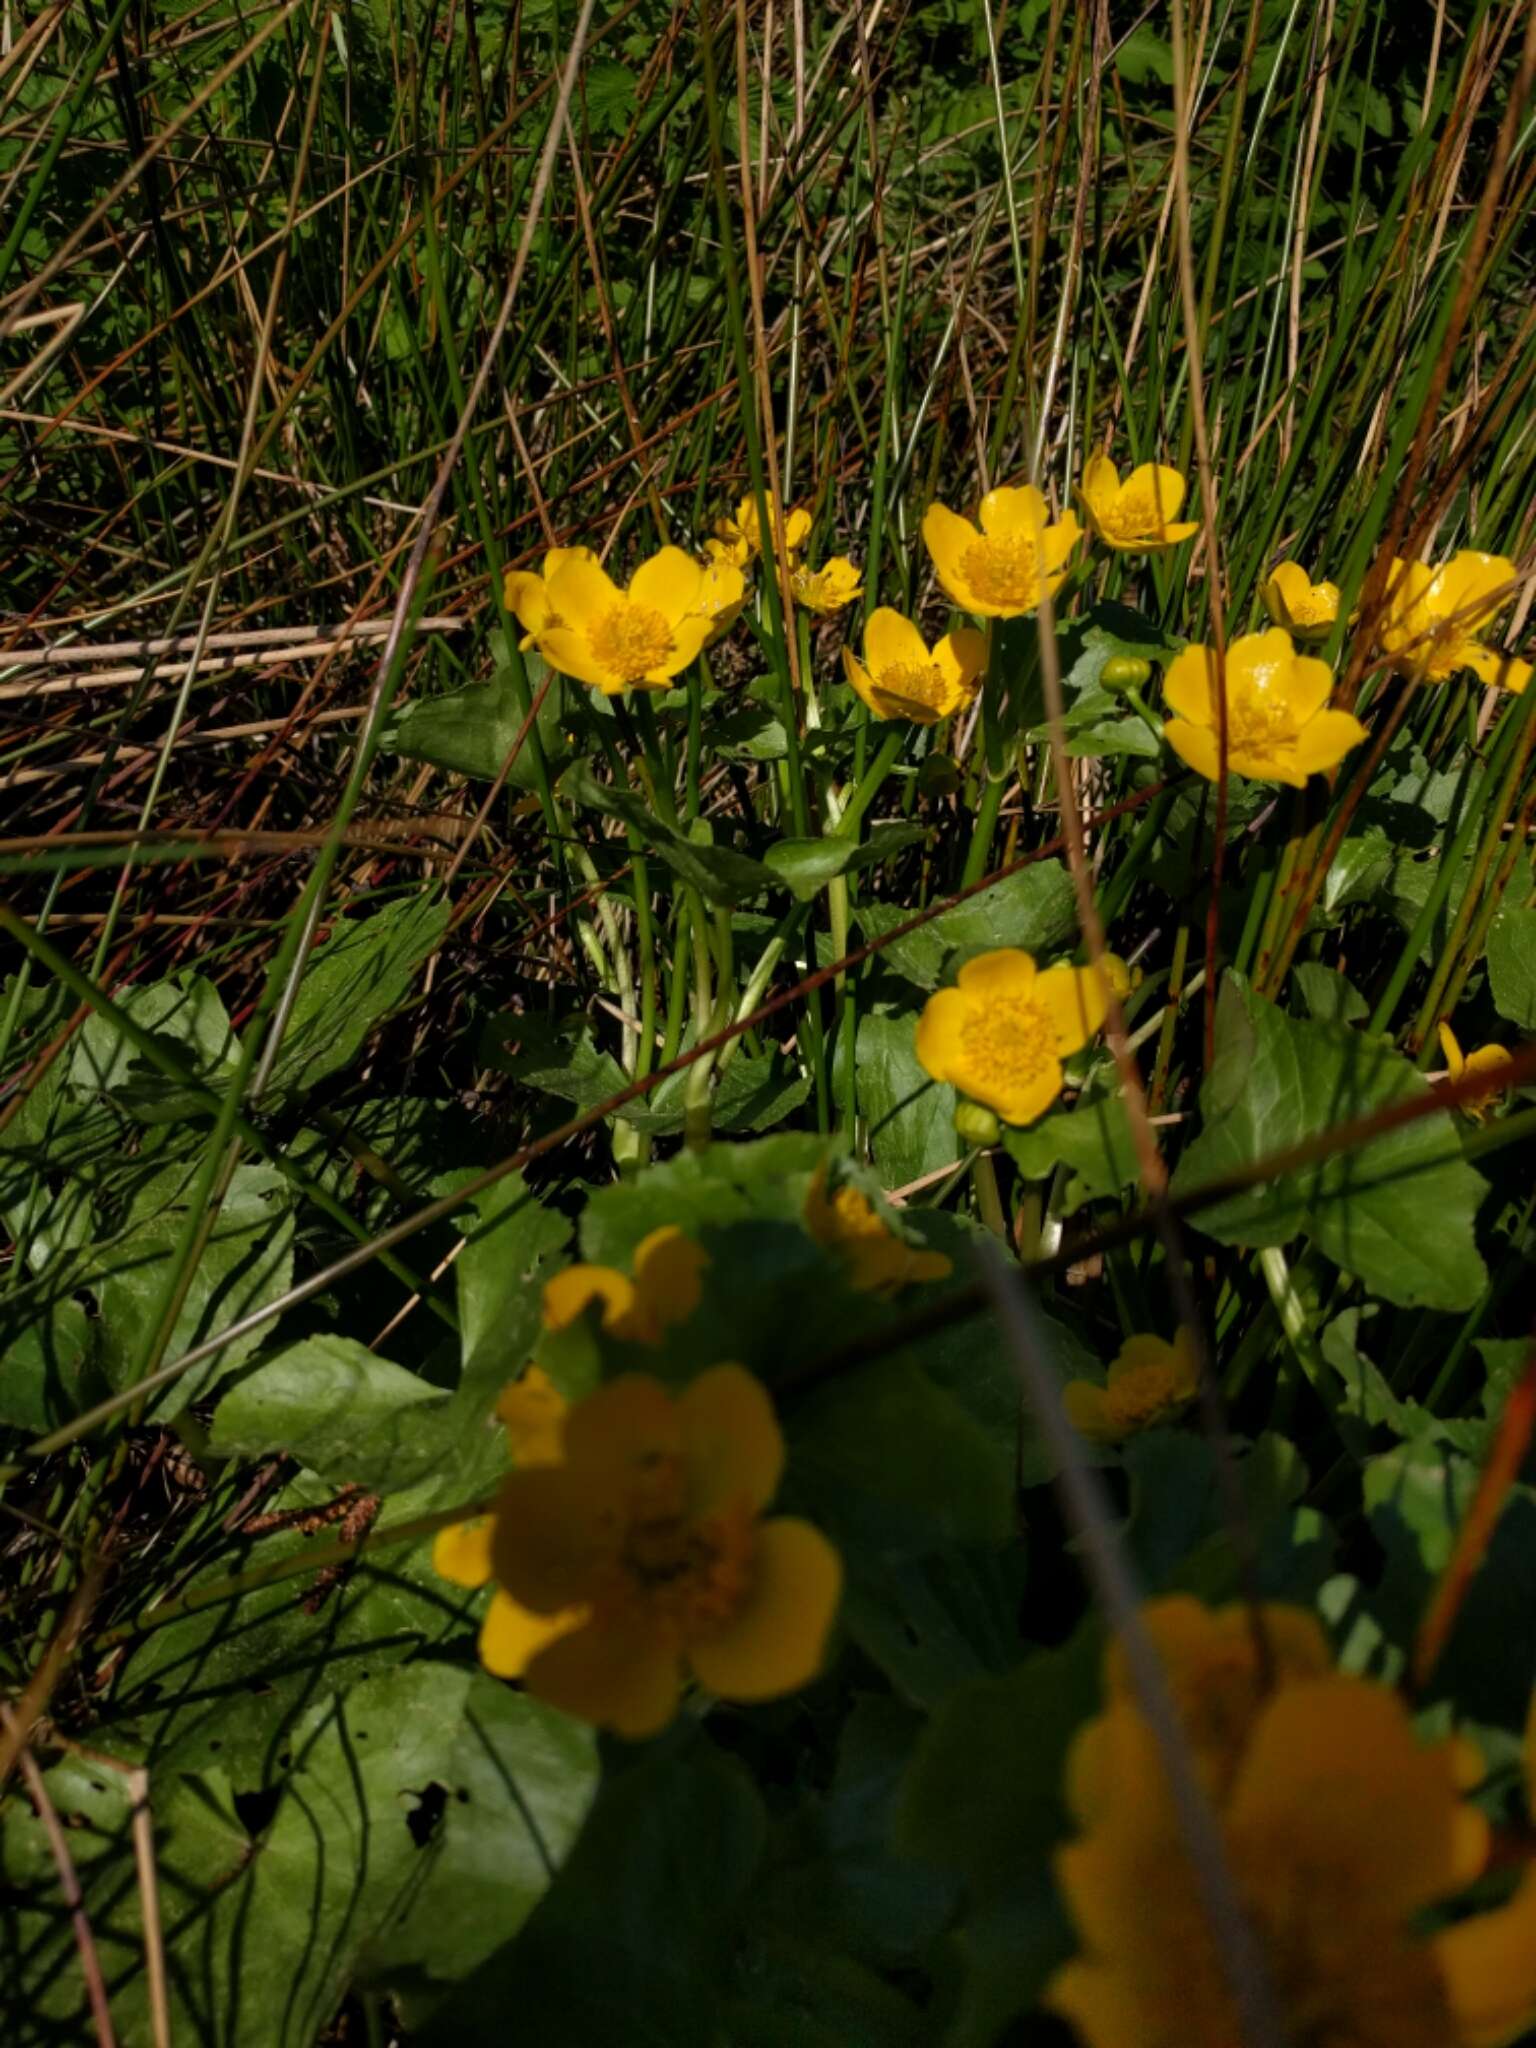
(1124, 672)
(976, 1125)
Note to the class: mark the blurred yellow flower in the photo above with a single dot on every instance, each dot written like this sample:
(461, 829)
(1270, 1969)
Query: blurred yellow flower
(637, 638)
(1007, 567)
(1484, 1059)
(526, 592)
(533, 1411)
(1001, 1033)
(722, 596)
(878, 1262)
(1341, 1830)
(644, 1545)
(1219, 1679)
(1305, 609)
(665, 1290)
(740, 540)
(1149, 1381)
(1277, 729)
(1433, 618)
(1139, 516)
(827, 589)
(900, 678)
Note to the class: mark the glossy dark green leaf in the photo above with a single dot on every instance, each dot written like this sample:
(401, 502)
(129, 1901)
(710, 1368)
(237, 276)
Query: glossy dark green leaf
(1512, 966)
(1034, 909)
(910, 1117)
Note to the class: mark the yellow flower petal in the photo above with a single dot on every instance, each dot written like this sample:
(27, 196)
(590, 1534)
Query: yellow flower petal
(1101, 482)
(947, 537)
(1488, 1965)
(510, 1635)
(732, 1443)
(461, 1554)
(1161, 485)
(1389, 1830)
(525, 597)
(937, 1038)
(862, 685)
(553, 1533)
(1188, 685)
(669, 1268)
(778, 1638)
(630, 1421)
(567, 650)
(582, 592)
(892, 641)
(688, 640)
(1195, 745)
(568, 1296)
(960, 658)
(1324, 740)
(1451, 1050)
(1014, 510)
(1100, 2004)
(1077, 1001)
(669, 582)
(1007, 971)
(1087, 1407)
(533, 1410)
(620, 1676)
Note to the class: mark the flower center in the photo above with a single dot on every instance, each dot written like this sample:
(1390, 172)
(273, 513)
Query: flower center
(913, 682)
(1132, 513)
(1007, 1043)
(631, 639)
(1140, 1397)
(1255, 725)
(1003, 569)
(688, 1572)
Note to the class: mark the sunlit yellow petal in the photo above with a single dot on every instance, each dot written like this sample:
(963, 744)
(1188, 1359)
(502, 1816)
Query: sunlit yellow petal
(569, 1294)
(939, 1027)
(1188, 685)
(1076, 999)
(669, 582)
(731, 1439)
(862, 685)
(1195, 745)
(1451, 1050)
(581, 591)
(525, 597)
(1014, 510)
(568, 651)
(892, 641)
(960, 657)
(1163, 487)
(1324, 740)
(1007, 971)
(778, 1638)
(462, 1553)
(510, 1635)
(1101, 482)
(947, 537)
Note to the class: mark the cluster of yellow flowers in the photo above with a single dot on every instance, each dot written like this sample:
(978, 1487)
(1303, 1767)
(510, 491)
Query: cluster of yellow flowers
(1341, 1830)
(629, 1550)
(1005, 564)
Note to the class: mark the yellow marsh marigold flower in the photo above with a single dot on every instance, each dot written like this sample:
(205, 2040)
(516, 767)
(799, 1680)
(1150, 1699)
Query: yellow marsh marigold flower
(526, 592)
(1007, 567)
(646, 1543)
(1218, 1681)
(1484, 1059)
(637, 638)
(1149, 1381)
(665, 1290)
(533, 1411)
(827, 589)
(1001, 1034)
(1139, 516)
(848, 1223)
(1341, 1830)
(1277, 729)
(1433, 618)
(740, 540)
(722, 596)
(1307, 610)
(900, 678)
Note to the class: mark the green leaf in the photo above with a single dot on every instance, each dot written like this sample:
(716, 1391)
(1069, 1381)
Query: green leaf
(1094, 1141)
(755, 1092)
(362, 972)
(910, 1118)
(554, 1054)
(511, 1240)
(246, 1262)
(1512, 966)
(1034, 909)
(723, 1184)
(471, 731)
(807, 865)
(633, 1943)
(265, 1922)
(1330, 997)
(46, 1369)
(722, 875)
(336, 1408)
(1398, 1212)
